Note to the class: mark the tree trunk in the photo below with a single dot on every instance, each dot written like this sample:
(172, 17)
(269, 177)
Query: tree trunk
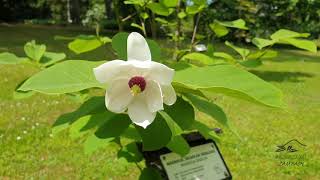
(75, 11)
(108, 6)
(153, 26)
(116, 7)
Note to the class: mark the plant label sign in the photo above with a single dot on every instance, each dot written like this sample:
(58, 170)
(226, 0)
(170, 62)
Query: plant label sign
(203, 162)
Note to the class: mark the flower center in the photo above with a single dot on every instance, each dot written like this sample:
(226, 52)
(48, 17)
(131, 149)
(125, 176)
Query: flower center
(137, 84)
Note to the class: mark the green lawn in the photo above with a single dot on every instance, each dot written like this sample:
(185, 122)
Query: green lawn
(28, 150)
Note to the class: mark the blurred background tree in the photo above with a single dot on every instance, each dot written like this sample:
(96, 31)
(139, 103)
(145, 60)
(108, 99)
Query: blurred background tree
(263, 17)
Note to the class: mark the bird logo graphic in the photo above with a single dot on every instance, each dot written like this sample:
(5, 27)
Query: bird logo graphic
(291, 146)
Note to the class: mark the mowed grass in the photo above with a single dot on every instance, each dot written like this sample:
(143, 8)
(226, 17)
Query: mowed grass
(28, 150)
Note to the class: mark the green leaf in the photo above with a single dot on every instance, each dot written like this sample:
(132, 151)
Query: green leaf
(50, 58)
(174, 127)
(94, 143)
(223, 55)
(208, 108)
(227, 57)
(130, 152)
(161, 20)
(180, 88)
(284, 33)
(75, 127)
(156, 135)
(200, 2)
(94, 105)
(218, 29)
(301, 43)
(136, 2)
(251, 63)
(137, 26)
(179, 145)
(131, 133)
(66, 77)
(239, 24)
(87, 43)
(268, 54)
(9, 58)
(85, 123)
(144, 15)
(194, 9)
(261, 43)
(181, 112)
(169, 3)
(199, 58)
(119, 44)
(159, 9)
(105, 39)
(242, 51)
(231, 81)
(18, 95)
(210, 50)
(34, 51)
(114, 127)
(205, 131)
(150, 173)
(182, 14)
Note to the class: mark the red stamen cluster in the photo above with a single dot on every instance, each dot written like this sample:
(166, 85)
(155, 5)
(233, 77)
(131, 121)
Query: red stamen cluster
(139, 81)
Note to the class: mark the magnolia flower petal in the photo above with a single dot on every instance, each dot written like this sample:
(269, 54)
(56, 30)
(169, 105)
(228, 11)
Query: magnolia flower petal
(169, 95)
(153, 96)
(106, 72)
(160, 73)
(118, 96)
(137, 48)
(139, 112)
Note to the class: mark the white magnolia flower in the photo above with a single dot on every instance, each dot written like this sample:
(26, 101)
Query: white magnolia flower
(138, 84)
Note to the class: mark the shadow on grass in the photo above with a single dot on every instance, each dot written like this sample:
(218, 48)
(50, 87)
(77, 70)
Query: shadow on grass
(277, 76)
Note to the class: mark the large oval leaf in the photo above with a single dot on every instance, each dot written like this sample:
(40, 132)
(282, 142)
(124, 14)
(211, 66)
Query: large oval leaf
(156, 135)
(94, 105)
(285, 33)
(159, 9)
(169, 3)
(66, 77)
(239, 24)
(114, 127)
(199, 58)
(50, 58)
(87, 43)
(208, 108)
(231, 81)
(261, 43)
(300, 43)
(179, 145)
(181, 112)
(9, 58)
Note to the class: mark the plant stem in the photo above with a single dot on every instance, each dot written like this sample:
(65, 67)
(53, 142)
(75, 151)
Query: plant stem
(143, 27)
(97, 29)
(195, 31)
(178, 31)
(153, 26)
(128, 17)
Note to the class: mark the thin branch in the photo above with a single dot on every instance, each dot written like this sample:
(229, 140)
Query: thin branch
(128, 17)
(195, 30)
